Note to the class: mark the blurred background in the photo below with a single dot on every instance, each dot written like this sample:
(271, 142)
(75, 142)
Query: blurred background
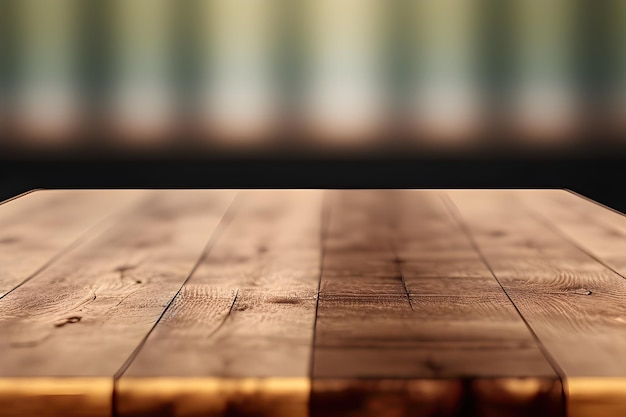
(313, 93)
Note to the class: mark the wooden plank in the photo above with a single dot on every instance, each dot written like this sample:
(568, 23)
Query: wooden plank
(237, 340)
(36, 228)
(601, 232)
(596, 229)
(64, 334)
(428, 330)
(570, 300)
(360, 258)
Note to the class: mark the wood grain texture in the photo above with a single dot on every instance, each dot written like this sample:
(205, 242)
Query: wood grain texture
(311, 303)
(238, 337)
(72, 327)
(596, 229)
(572, 302)
(37, 227)
(422, 315)
(600, 232)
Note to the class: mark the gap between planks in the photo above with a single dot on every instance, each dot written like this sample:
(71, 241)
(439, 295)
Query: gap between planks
(588, 395)
(585, 342)
(418, 391)
(100, 225)
(75, 389)
(457, 216)
(223, 223)
(284, 395)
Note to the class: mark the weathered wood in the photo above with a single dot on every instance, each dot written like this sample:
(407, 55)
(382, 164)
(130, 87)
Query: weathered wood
(409, 327)
(64, 334)
(572, 302)
(359, 258)
(38, 227)
(369, 303)
(237, 339)
(601, 233)
(594, 228)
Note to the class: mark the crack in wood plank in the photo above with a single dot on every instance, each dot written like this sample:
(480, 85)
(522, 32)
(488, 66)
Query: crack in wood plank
(227, 316)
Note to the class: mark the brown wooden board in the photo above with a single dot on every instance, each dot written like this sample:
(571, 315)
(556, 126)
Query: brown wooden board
(65, 333)
(37, 228)
(460, 303)
(573, 303)
(237, 339)
(422, 328)
(595, 229)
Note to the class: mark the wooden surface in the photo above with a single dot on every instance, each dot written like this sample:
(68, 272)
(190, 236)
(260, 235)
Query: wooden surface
(434, 314)
(293, 303)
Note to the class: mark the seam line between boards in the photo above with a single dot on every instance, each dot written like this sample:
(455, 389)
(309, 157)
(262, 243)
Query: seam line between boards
(225, 220)
(540, 218)
(456, 215)
(82, 238)
(324, 228)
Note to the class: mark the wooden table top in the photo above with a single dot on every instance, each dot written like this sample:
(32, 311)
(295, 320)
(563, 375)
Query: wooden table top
(289, 303)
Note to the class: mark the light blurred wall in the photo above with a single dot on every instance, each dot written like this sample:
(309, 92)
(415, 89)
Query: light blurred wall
(314, 75)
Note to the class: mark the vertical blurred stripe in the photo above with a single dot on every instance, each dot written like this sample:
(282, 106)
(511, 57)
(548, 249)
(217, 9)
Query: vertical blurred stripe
(616, 109)
(344, 97)
(237, 96)
(143, 100)
(4, 52)
(95, 53)
(445, 103)
(544, 91)
(47, 95)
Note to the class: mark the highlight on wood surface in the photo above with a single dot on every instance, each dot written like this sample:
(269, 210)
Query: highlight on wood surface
(311, 303)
